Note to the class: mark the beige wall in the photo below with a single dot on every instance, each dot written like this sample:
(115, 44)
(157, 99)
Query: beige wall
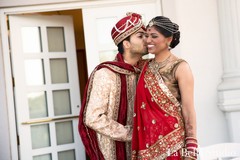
(200, 46)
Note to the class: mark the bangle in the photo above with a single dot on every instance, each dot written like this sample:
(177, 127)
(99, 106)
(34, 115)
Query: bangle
(187, 142)
(191, 148)
(190, 138)
(192, 145)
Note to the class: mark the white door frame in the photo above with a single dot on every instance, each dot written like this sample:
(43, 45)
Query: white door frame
(5, 63)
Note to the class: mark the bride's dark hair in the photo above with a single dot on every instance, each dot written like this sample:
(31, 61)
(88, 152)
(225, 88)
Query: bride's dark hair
(167, 28)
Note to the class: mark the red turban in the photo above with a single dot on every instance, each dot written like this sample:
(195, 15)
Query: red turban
(126, 27)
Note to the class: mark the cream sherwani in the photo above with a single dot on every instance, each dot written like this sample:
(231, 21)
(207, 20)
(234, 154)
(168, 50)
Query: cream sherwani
(103, 107)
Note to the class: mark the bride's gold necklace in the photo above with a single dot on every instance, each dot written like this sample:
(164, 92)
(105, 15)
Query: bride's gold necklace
(155, 66)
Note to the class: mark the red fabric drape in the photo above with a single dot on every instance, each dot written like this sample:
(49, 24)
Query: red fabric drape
(151, 123)
(88, 135)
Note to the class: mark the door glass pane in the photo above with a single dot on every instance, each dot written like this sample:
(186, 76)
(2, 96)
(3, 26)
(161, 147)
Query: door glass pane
(61, 102)
(40, 136)
(34, 72)
(31, 39)
(37, 104)
(107, 55)
(56, 42)
(66, 155)
(59, 72)
(104, 27)
(43, 157)
(64, 132)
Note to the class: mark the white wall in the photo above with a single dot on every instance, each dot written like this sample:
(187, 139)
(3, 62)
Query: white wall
(200, 46)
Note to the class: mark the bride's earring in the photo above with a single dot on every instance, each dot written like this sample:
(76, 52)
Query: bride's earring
(169, 48)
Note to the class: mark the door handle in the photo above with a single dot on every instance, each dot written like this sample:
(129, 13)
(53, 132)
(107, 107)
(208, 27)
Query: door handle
(45, 120)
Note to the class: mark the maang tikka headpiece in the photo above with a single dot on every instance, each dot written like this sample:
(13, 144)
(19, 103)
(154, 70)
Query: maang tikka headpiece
(165, 24)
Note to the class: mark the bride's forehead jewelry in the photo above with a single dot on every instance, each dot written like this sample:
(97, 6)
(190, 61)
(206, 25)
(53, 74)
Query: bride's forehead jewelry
(165, 24)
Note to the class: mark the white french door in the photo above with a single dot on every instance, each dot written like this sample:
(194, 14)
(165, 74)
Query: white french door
(99, 21)
(46, 89)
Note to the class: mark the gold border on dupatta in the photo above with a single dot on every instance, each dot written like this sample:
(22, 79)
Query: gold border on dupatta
(173, 141)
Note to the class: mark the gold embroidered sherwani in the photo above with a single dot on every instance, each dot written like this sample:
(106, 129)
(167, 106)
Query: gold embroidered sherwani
(103, 107)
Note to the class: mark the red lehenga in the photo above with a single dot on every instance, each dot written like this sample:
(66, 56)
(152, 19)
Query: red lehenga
(158, 130)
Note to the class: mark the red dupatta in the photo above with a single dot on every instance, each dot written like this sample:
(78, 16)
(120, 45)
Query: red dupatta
(158, 129)
(88, 136)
